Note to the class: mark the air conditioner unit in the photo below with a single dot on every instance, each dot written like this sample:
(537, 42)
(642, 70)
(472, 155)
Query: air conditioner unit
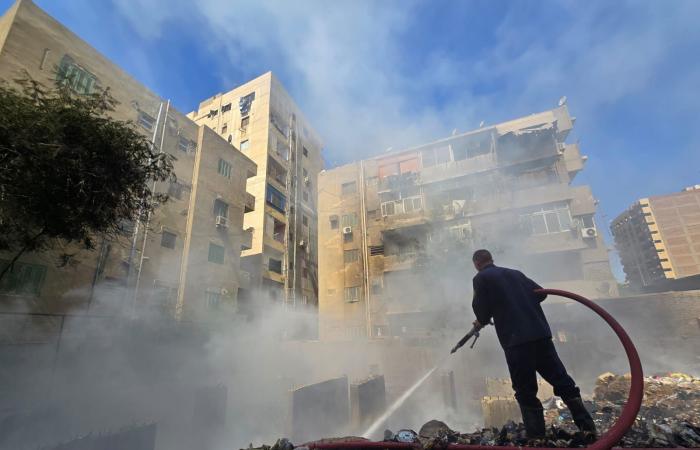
(224, 291)
(347, 230)
(302, 243)
(589, 232)
(222, 221)
(306, 180)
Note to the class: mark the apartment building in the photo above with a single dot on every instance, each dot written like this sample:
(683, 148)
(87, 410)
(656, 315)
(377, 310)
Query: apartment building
(396, 232)
(658, 238)
(185, 258)
(261, 119)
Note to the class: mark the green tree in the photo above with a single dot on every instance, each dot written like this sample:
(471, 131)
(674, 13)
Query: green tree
(68, 171)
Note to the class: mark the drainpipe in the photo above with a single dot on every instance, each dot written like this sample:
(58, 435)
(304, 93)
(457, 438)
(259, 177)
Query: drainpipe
(135, 236)
(148, 217)
(365, 252)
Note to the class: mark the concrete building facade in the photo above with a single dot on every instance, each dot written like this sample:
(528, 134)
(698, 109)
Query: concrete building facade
(396, 232)
(658, 238)
(183, 259)
(261, 119)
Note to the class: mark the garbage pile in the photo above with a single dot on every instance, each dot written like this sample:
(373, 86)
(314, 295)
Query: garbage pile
(669, 417)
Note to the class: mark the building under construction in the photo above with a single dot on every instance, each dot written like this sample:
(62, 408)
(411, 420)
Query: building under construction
(397, 230)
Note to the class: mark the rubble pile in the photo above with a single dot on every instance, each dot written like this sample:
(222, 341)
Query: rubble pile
(669, 417)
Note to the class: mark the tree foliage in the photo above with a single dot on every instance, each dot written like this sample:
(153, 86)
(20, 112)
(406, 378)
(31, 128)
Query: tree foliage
(68, 171)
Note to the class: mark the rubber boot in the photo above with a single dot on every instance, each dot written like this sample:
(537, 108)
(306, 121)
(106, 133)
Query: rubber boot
(533, 419)
(582, 418)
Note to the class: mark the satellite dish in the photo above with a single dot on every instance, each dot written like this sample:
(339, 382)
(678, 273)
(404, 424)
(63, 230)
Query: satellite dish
(481, 124)
(562, 101)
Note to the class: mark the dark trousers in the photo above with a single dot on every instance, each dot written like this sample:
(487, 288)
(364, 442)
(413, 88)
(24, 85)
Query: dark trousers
(525, 361)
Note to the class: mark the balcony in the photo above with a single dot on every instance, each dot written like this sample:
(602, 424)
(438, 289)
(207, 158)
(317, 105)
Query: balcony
(573, 159)
(555, 242)
(249, 203)
(396, 182)
(407, 212)
(455, 169)
(247, 239)
(583, 201)
(406, 261)
(276, 242)
(274, 276)
(526, 145)
(511, 200)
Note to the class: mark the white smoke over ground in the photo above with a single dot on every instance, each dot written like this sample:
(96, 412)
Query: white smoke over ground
(345, 66)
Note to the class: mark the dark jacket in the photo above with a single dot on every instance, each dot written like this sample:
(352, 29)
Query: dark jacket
(507, 297)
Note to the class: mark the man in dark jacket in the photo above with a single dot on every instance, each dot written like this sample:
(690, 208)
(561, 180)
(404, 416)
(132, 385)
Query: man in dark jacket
(507, 297)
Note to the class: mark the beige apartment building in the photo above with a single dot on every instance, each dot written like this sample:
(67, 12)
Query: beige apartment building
(185, 258)
(260, 118)
(396, 232)
(658, 238)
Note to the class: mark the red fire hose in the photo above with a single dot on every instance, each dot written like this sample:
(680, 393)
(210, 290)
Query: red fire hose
(606, 441)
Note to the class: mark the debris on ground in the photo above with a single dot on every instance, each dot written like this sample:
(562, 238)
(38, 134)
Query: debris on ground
(669, 417)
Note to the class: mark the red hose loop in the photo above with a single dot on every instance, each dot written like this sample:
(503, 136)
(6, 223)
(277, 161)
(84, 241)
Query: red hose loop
(634, 399)
(605, 442)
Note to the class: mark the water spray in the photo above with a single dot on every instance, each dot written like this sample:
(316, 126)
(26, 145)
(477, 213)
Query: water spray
(473, 333)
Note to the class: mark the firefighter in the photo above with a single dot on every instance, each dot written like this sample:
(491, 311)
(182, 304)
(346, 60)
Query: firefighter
(507, 297)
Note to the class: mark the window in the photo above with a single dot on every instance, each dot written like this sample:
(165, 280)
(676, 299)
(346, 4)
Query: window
(547, 220)
(305, 151)
(224, 128)
(350, 220)
(244, 123)
(146, 121)
(216, 253)
(185, 145)
(245, 102)
(304, 172)
(348, 188)
(412, 204)
(220, 208)
(305, 196)
(226, 108)
(212, 298)
(305, 220)
(274, 265)
(352, 294)
(275, 198)
(213, 113)
(224, 168)
(175, 190)
(168, 239)
(347, 237)
(245, 145)
(305, 272)
(71, 75)
(24, 279)
(334, 222)
(351, 256)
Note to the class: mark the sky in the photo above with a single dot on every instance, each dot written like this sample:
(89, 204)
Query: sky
(375, 75)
